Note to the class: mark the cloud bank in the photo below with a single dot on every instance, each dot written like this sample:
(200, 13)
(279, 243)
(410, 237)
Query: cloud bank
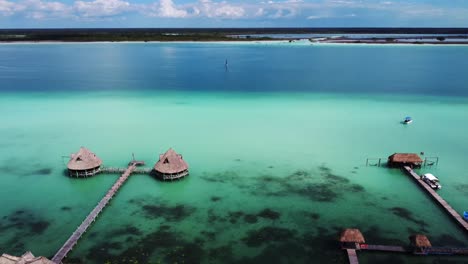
(270, 10)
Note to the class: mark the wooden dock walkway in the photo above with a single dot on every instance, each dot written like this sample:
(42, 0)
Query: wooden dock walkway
(122, 170)
(384, 248)
(73, 240)
(455, 216)
(446, 251)
(352, 256)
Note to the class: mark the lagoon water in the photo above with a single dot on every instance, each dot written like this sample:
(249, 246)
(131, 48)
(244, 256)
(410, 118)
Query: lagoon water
(277, 147)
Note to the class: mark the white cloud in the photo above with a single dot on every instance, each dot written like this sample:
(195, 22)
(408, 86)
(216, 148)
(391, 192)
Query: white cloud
(229, 11)
(101, 8)
(316, 17)
(6, 7)
(260, 12)
(343, 2)
(168, 9)
(36, 9)
(46, 6)
(223, 9)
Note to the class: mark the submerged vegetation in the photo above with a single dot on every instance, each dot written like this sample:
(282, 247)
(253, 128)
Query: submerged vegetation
(265, 234)
(25, 224)
(320, 186)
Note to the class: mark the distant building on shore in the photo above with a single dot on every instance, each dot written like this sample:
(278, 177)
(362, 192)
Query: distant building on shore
(26, 258)
(171, 166)
(84, 163)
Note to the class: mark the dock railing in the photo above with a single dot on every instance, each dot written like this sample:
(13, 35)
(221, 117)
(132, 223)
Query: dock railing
(374, 162)
(83, 227)
(430, 161)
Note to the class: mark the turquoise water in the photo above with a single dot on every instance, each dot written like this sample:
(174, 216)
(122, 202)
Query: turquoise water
(275, 174)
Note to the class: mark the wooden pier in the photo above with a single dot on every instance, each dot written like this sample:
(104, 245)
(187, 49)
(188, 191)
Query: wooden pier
(352, 240)
(122, 170)
(73, 240)
(352, 256)
(384, 248)
(451, 212)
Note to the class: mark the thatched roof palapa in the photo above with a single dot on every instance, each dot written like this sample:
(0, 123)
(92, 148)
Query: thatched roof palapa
(170, 163)
(351, 235)
(84, 159)
(419, 240)
(26, 258)
(405, 158)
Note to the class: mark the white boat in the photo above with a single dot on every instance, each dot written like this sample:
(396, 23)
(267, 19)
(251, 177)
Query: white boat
(408, 120)
(431, 180)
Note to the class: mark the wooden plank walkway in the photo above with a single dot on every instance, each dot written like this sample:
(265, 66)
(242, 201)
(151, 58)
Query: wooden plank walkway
(352, 256)
(384, 248)
(122, 170)
(446, 251)
(455, 216)
(73, 240)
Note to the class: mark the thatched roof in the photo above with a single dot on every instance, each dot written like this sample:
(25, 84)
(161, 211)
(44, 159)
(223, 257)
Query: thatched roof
(420, 241)
(405, 158)
(170, 163)
(84, 159)
(352, 235)
(26, 258)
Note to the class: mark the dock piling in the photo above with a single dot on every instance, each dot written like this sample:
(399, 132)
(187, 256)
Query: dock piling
(429, 161)
(378, 162)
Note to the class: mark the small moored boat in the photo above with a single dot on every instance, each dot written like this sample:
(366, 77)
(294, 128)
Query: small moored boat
(465, 215)
(431, 180)
(408, 120)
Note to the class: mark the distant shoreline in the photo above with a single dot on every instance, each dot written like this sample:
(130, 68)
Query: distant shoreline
(253, 41)
(169, 35)
(396, 42)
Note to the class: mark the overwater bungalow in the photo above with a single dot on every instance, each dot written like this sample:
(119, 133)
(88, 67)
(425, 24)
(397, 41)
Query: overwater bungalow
(171, 166)
(84, 163)
(420, 244)
(26, 258)
(405, 159)
(351, 239)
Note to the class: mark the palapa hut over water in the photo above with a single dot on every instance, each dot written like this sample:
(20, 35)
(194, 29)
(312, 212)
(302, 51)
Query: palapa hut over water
(26, 258)
(351, 238)
(84, 163)
(405, 159)
(170, 166)
(420, 243)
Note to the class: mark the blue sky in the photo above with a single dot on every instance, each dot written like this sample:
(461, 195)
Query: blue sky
(235, 13)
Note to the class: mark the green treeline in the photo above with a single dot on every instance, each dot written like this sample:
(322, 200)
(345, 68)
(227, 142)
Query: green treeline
(118, 36)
